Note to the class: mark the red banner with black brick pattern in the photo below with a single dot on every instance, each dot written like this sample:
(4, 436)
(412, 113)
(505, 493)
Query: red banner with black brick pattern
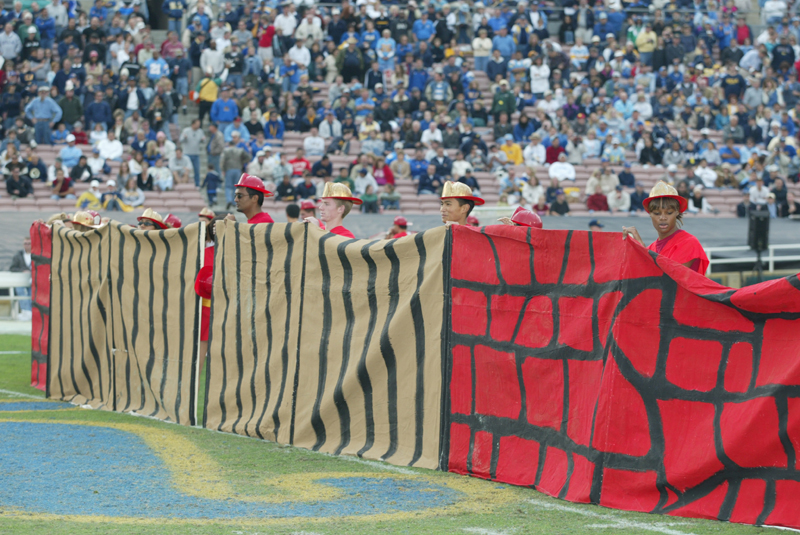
(593, 370)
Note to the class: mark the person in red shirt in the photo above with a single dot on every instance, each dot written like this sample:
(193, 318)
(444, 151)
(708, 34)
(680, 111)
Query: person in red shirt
(307, 209)
(206, 215)
(173, 221)
(457, 202)
(249, 197)
(553, 151)
(523, 217)
(337, 201)
(300, 164)
(399, 228)
(666, 209)
(203, 282)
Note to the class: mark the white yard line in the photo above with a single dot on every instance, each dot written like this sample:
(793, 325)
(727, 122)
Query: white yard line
(20, 394)
(612, 521)
(484, 531)
(781, 527)
(13, 352)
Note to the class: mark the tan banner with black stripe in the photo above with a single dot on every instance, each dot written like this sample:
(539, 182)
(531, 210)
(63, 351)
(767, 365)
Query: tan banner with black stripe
(125, 316)
(328, 343)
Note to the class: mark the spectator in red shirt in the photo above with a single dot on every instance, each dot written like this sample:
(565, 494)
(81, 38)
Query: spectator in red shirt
(299, 163)
(553, 151)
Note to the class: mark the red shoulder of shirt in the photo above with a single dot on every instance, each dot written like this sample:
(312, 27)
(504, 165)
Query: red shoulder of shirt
(341, 231)
(400, 235)
(682, 247)
(261, 217)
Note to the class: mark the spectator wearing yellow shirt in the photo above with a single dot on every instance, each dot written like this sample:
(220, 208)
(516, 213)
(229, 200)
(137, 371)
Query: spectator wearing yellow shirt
(645, 43)
(512, 150)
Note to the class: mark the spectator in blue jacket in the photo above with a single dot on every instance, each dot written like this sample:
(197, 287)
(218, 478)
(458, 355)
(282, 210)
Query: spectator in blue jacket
(45, 113)
(156, 67)
(99, 10)
(418, 77)
(98, 112)
(274, 128)
(237, 126)
(497, 65)
(504, 43)
(174, 10)
(603, 27)
(423, 28)
(47, 29)
(224, 110)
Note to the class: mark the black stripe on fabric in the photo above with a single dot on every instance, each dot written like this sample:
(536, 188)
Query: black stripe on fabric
(123, 315)
(45, 310)
(223, 409)
(316, 420)
(39, 357)
(253, 337)
(108, 396)
(498, 271)
(296, 382)
(182, 321)
(769, 503)
(165, 357)
(94, 302)
(418, 318)
(151, 330)
(387, 350)
(238, 330)
(726, 510)
(447, 364)
(84, 306)
(362, 373)
(287, 285)
(338, 393)
(39, 259)
(267, 380)
(60, 265)
(73, 352)
(111, 345)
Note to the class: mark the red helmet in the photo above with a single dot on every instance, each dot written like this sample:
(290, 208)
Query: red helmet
(173, 221)
(401, 221)
(305, 204)
(253, 182)
(526, 218)
(472, 220)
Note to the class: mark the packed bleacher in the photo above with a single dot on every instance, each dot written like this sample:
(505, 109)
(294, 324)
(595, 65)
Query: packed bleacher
(570, 107)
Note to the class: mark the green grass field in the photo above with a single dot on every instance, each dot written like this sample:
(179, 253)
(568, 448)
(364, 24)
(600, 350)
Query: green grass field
(231, 471)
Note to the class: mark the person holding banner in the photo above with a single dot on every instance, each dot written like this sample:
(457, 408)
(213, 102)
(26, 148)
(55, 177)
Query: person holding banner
(151, 220)
(523, 217)
(337, 201)
(457, 202)
(203, 283)
(666, 209)
(249, 197)
(206, 215)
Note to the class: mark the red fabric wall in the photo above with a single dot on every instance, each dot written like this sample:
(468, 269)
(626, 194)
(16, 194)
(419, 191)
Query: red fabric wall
(584, 366)
(41, 250)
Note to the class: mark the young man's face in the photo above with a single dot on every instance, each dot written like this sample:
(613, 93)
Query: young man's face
(329, 210)
(451, 210)
(307, 213)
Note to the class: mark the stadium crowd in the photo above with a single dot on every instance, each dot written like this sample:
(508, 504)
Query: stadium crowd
(687, 87)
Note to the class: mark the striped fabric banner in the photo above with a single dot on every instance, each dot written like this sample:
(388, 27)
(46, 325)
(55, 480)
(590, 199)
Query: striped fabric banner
(328, 343)
(125, 329)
